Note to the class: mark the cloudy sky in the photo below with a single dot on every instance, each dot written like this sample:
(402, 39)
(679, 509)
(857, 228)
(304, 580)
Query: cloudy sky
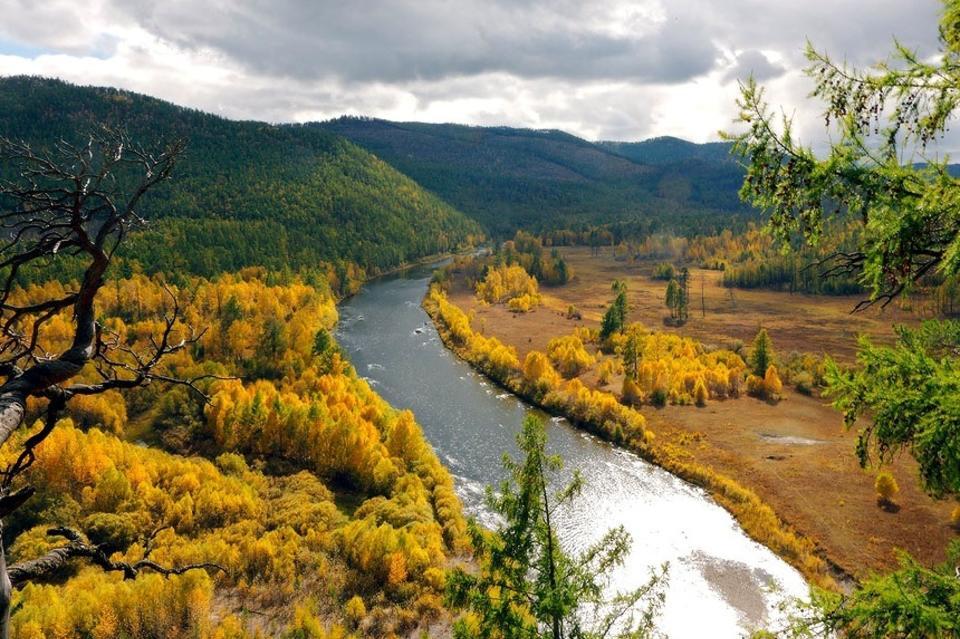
(615, 69)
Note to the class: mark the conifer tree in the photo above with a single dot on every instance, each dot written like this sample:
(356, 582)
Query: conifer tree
(527, 585)
(683, 302)
(762, 354)
(631, 356)
(880, 171)
(616, 316)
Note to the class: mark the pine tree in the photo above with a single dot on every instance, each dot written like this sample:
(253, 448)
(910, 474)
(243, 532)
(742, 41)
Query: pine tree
(762, 354)
(616, 316)
(563, 273)
(620, 302)
(631, 357)
(527, 586)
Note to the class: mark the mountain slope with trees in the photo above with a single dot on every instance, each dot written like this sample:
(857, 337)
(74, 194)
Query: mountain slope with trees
(246, 193)
(667, 150)
(539, 180)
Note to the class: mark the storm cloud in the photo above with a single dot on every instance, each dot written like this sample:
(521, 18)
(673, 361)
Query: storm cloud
(612, 69)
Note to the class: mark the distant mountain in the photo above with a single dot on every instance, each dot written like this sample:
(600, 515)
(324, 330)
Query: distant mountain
(668, 150)
(510, 178)
(247, 193)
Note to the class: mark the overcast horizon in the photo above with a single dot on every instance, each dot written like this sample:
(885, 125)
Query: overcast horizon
(602, 71)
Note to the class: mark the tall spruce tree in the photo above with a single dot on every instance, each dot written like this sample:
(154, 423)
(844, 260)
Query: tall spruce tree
(761, 356)
(683, 303)
(616, 316)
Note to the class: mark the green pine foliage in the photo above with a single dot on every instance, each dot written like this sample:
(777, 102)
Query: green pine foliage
(912, 602)
(761, 356)
(883, 119)
(615, 318)
(246, 193)
(510, 179)
(527, 585)
(909, 390)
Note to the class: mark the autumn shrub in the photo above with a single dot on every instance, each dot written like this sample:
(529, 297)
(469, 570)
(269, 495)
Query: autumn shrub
(587, 335)
(772, 386)
(493, 356)
(523, 303)
(768, 387)
(804, 383)
(569, 356)
(755, 387)
(607, 369)
(886, 487)
(539, 374)
(630, 394)
(804, 371)
(700, 393)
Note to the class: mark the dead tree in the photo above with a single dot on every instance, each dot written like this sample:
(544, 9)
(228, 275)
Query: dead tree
(75, 203)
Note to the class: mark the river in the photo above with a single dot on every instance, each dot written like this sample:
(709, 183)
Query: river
(721, 583)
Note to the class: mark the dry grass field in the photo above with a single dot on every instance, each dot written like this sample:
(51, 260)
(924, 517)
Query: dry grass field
(795, 454)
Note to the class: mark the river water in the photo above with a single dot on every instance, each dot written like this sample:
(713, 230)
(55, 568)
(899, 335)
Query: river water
(721, 583)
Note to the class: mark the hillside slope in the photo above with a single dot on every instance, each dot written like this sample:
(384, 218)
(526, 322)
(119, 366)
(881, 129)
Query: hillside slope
(668, 149)
(520, 178)
(247, 193)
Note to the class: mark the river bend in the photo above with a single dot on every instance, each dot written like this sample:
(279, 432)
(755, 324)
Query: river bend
(721, 583)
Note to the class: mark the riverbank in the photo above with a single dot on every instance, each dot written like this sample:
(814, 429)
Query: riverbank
(626, 427)
(735, 584)
(357, 284)
(796, 455)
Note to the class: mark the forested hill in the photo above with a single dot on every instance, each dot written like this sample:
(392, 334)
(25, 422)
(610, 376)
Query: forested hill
(520, 178)
(247, 193)
(668, 150)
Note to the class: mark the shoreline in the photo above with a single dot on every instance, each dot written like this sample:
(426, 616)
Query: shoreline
(755, 517)
(405, 266)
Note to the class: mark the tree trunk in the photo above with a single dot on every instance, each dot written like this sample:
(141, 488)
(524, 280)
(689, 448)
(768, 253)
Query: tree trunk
(6, 591)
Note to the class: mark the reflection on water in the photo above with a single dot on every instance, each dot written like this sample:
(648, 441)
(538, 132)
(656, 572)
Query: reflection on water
(721, 583)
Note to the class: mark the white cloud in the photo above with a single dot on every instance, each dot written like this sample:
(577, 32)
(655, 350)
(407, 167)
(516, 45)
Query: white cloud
(609, 69)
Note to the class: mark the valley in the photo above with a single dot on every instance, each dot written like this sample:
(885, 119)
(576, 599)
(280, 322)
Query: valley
(736, 583)
(793, 453)
(417, 320)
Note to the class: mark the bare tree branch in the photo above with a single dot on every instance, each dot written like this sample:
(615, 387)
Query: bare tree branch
(54, 561)
(80, 201)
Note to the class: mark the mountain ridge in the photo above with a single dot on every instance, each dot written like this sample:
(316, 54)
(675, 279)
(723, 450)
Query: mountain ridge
(245, 192)
(509, 178)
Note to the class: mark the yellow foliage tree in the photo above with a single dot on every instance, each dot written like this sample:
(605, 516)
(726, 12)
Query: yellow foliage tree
(569, 356)
(503, 284)
(886, 487)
